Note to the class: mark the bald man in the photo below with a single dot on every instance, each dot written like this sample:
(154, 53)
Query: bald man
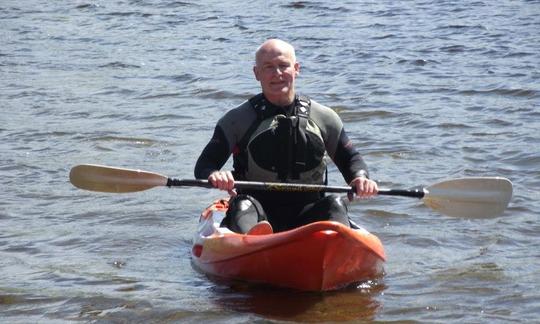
(280, 136)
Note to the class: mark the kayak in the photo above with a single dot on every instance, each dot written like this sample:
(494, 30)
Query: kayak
(320, 256)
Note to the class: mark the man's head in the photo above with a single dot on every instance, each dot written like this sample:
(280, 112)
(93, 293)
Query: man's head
(276, 69)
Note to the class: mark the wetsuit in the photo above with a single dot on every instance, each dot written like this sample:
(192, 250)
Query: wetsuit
(252, 133)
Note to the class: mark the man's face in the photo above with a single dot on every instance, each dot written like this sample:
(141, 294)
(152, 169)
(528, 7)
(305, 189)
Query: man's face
(276, 69)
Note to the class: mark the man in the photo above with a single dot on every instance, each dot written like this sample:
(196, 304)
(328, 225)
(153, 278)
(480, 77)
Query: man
(279, 136)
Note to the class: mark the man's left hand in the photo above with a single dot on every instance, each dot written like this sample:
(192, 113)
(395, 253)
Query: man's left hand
(365, 187)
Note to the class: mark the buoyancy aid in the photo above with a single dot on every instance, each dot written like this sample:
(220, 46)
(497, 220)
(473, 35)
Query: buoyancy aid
(280, 145)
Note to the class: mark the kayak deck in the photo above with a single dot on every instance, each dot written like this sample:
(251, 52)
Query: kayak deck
(316, 257)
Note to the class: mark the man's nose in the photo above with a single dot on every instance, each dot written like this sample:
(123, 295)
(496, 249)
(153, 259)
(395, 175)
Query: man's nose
(277, 70)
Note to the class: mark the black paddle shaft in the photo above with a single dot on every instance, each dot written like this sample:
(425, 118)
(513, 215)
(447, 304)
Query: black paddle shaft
(414, 193)
(292, 187)
(253, 185)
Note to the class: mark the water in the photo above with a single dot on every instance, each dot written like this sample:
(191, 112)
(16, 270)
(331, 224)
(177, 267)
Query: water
(429, 90)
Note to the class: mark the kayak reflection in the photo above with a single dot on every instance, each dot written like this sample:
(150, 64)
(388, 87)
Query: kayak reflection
(357, 302)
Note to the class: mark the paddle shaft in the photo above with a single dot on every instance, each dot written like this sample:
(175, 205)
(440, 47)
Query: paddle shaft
(292, 187)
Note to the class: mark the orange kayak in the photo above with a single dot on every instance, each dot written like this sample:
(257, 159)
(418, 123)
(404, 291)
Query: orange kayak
(316, 257)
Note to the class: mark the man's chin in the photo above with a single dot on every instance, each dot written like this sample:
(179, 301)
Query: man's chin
(279, 91)
(279, 98)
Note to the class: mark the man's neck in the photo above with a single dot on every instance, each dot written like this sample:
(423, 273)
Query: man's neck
(283, 102)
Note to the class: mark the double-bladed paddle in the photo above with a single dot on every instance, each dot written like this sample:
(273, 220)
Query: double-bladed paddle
(464, 197)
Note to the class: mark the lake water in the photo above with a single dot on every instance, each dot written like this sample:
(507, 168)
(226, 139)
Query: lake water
(428, 90)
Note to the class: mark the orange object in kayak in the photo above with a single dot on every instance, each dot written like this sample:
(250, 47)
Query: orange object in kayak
(319, 256)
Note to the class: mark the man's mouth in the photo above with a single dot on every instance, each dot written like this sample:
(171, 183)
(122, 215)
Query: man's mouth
(278, 83)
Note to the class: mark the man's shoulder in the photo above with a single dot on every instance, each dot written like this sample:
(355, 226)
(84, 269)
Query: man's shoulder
(237, 120)
(244, 111)
(322, 112)
(327, 120)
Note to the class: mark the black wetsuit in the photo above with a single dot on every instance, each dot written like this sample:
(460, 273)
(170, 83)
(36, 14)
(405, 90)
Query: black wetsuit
(284, 210)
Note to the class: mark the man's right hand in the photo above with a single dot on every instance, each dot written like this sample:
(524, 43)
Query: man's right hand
(223, 180)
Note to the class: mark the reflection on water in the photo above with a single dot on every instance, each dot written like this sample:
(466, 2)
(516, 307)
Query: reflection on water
(358, 302)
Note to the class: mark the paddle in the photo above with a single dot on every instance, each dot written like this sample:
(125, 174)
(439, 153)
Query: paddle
(465, 197)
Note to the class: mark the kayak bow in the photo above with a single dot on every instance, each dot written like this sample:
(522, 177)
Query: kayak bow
(316, 257)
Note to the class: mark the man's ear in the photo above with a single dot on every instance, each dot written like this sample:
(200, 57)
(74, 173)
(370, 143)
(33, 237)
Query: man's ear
(297, 68)
(256, 72)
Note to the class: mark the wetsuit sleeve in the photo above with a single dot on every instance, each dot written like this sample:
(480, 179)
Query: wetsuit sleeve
(214, 155)
(348, 160)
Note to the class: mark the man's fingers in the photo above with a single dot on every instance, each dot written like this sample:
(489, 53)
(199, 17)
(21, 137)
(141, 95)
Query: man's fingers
(223, 180)
(366, 188)
(360, 188)
(213, 179)
(229, 181)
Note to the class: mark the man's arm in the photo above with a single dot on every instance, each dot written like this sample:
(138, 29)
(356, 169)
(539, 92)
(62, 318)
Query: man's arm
(349, 162)
(212, 158)
(353, 167)
(214, 155)
(228, 130)
(341, 150)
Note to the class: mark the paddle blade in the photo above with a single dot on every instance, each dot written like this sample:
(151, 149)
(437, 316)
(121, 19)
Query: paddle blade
(470, 197)
(118, 180)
